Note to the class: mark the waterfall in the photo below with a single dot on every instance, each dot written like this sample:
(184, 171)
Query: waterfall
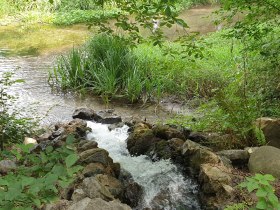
(164, 185)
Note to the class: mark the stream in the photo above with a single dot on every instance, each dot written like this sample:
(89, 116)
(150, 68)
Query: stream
(165, 187)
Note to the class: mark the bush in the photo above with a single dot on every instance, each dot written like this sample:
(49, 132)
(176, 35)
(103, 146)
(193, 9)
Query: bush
(39, 177)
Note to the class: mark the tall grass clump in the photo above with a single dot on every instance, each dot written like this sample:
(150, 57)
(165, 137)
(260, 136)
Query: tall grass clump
(105, 66)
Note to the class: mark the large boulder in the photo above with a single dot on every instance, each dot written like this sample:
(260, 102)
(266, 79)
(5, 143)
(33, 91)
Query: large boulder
(97, 203)
(194, 155)
(266, 160)
(271, 130)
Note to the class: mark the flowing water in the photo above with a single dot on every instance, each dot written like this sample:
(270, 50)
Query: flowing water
(164, 185)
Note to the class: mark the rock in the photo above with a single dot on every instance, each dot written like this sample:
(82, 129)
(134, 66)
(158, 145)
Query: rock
(7, 165)
(176, 146)
(59, 205)
(112, 184)
(166, 132)
(197, 137)
(107, 117)
(96, 155)
(250, 150)
(111, 120)
(86, 114)
(116, 125)
(78, 195)
(98, 204)
(236, 156)
(141, 141)
(213, 178)
(28, 140)
(93, 189)
(271, 130)
(162, 150)
(93, 169)
(182, 129)
(86, 145)
(266, 160)
(44, 137)
(194, 155)
(133, 192)
(102, 186)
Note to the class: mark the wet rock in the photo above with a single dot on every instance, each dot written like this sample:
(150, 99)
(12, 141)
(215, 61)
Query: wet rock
(271, 130)
(266, 160)
(133, 192)
(166, 132)
(116, 125)
(141, 141)
(162, 150)
(108, 117)
(7, 165)
(194, 155)
(86, 114)
(250, 150)
(236, 156)
(176, 146)
(97, 203)
(116, 168)
(86, 145)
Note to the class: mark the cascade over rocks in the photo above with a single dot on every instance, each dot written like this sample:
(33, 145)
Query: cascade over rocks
(100, 184)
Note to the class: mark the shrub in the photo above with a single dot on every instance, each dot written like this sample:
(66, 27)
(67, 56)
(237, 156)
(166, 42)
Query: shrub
(38, 177)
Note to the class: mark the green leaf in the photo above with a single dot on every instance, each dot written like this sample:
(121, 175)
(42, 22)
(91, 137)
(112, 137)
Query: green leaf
(252, 186)
(269, 177)
(272, 197)
(71, 160)
(27, 181)
(4, 182)
(261, 192)
(49, 149)
(262, 204)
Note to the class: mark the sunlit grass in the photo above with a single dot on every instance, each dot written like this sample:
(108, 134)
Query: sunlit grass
(40, 39)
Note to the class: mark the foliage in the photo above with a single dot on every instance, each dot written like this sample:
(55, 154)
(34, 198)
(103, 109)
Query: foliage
(105, 66)
(264, 191)
(38, 177)
(13, 126)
